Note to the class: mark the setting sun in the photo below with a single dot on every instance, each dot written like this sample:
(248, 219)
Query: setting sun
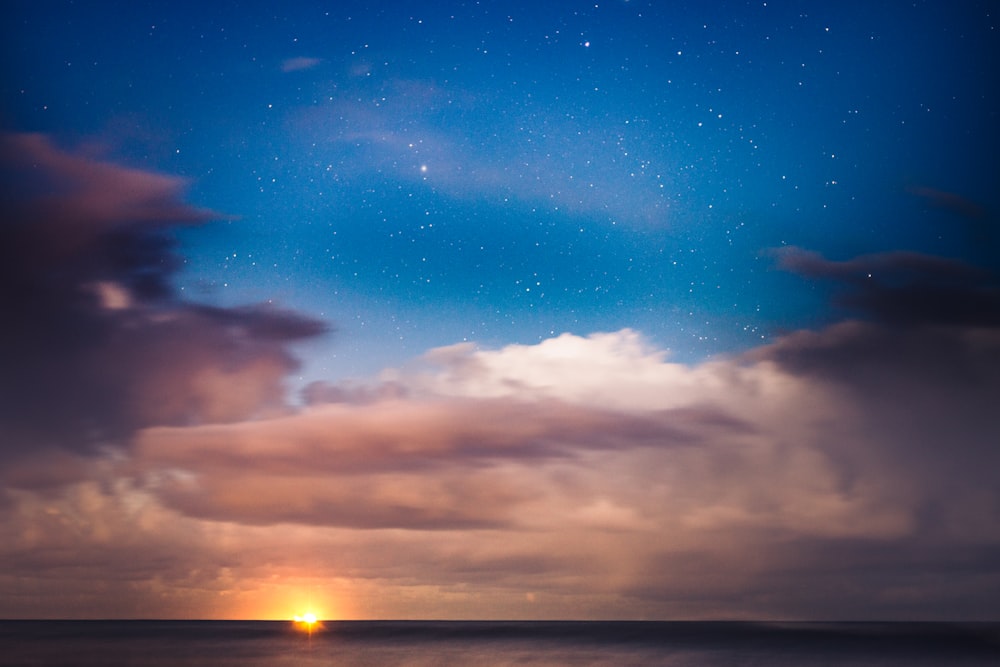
(307, 622)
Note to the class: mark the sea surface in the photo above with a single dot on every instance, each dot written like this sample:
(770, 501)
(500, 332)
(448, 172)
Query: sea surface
(411, 643)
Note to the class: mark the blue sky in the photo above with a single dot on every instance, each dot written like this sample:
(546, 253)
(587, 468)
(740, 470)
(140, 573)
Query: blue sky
(502, 173)
(295, 210)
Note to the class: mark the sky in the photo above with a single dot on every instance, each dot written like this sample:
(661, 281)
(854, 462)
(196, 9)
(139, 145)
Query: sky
(500, 310)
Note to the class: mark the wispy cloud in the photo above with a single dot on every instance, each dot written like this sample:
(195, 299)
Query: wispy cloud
(451, 141)
(906, 288)
(299, 63)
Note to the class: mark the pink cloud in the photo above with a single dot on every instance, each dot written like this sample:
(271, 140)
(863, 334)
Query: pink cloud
(98, 345)
(299, 63)
(613, 473)
(153, 466)
(85, 197)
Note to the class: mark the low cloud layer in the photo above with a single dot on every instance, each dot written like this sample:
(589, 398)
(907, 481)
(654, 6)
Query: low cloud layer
(591, 476)
(154, 466)
(734, 479)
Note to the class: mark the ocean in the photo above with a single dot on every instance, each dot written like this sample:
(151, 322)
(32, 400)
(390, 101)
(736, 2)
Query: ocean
(536, 643)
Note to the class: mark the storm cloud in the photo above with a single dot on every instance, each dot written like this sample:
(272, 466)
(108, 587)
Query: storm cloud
(906, 288)
(96, 344)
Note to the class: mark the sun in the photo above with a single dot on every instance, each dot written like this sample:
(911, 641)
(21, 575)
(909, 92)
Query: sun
(307, 621)
(308, 618)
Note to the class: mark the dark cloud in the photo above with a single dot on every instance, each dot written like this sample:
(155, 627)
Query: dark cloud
(906, 288)
(95, 343)
(892, 266)
(922, 370)
(861, 579)
(950, 201)
(930, 331)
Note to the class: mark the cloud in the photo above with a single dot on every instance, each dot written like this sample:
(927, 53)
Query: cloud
(522, 410)
(96, 344)
(432, 135)
(300, 63)
(152, 462)
(412, 464)
(84, 196)
(906, 288)
(594, 466)
(950, 201)
(846, 472)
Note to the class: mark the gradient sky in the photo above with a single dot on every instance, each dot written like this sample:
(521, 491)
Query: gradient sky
(611, 309)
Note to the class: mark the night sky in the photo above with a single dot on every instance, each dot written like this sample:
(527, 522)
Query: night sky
(612, 309)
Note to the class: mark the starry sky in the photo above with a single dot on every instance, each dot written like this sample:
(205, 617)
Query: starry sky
(616, 309)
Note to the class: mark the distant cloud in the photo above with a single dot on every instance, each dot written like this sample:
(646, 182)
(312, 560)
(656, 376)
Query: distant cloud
(979, 222)
(423, 132)
(299, 64)
(906, 288)
(950, 201)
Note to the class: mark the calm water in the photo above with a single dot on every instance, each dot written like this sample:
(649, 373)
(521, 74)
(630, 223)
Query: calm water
(257, 643)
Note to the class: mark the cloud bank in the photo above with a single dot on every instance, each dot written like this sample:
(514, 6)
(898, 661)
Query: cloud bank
(153, 464)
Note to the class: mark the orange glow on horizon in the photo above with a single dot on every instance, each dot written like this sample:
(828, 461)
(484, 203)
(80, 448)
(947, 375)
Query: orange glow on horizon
(290, 598)
(307, 622)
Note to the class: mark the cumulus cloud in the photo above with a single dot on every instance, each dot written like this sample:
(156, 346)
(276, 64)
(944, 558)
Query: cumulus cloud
(602, 478)
(844, 472)
(96, 345)
(742, 444)
(594, 466)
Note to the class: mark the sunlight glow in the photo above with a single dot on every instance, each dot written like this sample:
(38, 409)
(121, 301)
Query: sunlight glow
(307, 619)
